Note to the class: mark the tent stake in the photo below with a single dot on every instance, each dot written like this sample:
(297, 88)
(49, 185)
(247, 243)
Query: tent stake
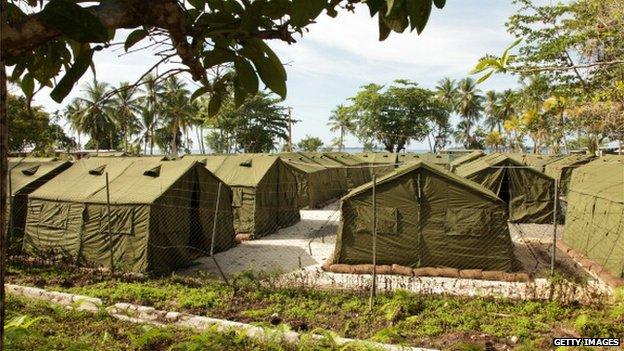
(214, 232)
(554, 244)
(374, 284)
(110, 233)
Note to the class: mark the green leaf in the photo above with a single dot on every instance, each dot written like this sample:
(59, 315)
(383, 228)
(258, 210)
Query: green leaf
(384, 30)
(74, 21)
(239, 94)
(374, 6)
(269, 67)
(201, 91)
(419, 12)
(134, 37)
(485, 77)
(215, 104)
(217, 57)
(28, 85)
(246, 75)
(73, 74)
(439, 3)
(198, 4)
(303, 11)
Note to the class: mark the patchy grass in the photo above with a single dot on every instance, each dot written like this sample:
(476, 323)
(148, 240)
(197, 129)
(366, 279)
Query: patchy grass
(56, 328)
(402, 317)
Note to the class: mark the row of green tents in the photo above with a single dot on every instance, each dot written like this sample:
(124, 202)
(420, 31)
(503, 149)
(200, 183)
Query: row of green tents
(428, 216)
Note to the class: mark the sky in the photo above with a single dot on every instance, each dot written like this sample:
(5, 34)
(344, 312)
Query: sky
(339, 55)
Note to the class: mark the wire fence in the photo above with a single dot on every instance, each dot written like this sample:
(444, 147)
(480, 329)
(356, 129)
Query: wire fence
(417, 222)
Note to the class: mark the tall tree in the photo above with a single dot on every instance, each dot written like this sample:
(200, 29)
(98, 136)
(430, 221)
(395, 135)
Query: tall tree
(97, 121)
(154, 93)
(469, 107)
(341, 120)
(310, 143)
(492, 110)
(177, 111)
(395, 115)
(125, 106)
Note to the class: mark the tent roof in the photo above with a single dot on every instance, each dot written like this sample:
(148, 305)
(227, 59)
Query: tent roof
(300, 162)
(344, 158)
(322, 159)
(600, 178)
(491, 160)
(535, 160)
(238, 169)
(144, 181)
(468, 157)
(438, 159)
(377, 157)
(554, 168)
(24, 171)
(412, 166)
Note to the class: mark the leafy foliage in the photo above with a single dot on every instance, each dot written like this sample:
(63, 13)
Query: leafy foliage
(310, 143)
(234, 32)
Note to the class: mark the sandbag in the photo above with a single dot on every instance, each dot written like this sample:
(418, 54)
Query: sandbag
(425, 272)
(243, 237)
(447, 272)
(362, 268)
(341, 268)
(384, 269)
(492, 275)
(471, 273)
(402, 270)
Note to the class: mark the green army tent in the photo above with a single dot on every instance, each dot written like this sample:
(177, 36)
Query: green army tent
(465, 158)
(264, 190)
(357, 171)
(327, 162)
(595, 213)
(26, 175)
(537, 161)
(381, 162)
(161, 213)
(316, 184)
(440, 160)
(426, 217)
(529, 193)
(561, 169)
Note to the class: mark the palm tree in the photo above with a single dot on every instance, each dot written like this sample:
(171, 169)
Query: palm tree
(96, 120)
(73, 114)
(492, 110)
(152, 101)
(469, 104)
(125, 107)
(463, 133)
(177, 110)
(507, 106)
(146, 125)
(446, 91)
(341, 120)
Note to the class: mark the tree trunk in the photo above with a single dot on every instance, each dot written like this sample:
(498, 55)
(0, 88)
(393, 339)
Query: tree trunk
(151, 140)
(174, 142)
(145, 145)
(341, 145)
(4, 144)
(125, 139)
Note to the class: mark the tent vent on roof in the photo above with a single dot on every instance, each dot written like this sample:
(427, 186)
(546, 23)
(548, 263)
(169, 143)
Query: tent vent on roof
(98, 170)
(154, 172)
(30, 171)
(246, 163)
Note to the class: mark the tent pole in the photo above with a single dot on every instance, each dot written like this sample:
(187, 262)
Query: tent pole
(9, 234)
(374, 284)
(214, 232)
(110, 233)
(554, 247)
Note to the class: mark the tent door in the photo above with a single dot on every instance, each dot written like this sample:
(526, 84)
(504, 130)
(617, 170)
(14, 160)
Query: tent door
(504, 189)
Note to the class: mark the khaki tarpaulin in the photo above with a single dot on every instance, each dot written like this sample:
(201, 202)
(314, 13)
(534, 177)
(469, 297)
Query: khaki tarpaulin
(529, 193)
(357, 171)
(316, 184)
(440, 160)
(381, 162)
(595, 213)
(27, 174)
(562, 169)
(264, 190)
(465, 158)
(426, 217)
(536, 161)
(161, 213)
